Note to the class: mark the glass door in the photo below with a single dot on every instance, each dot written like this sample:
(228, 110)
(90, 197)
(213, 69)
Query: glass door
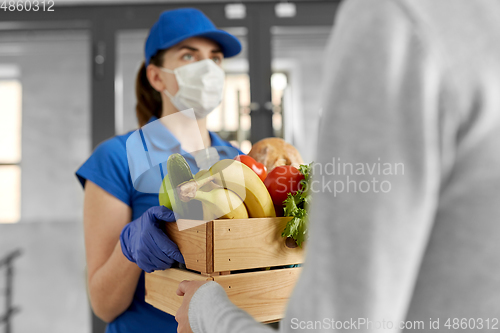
(297, 63)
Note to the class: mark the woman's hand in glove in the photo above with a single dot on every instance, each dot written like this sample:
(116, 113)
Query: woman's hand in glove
(144, 243)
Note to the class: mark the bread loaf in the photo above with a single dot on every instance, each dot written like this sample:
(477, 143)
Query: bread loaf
(273, 152)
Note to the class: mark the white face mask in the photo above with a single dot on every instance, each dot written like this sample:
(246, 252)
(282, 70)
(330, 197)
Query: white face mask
(201, 85)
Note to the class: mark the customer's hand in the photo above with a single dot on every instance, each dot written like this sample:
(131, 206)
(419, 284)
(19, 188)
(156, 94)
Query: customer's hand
(145, 244)
(186, 289)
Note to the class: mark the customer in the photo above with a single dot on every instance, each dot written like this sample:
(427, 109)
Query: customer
(412, 82)
(183, 55)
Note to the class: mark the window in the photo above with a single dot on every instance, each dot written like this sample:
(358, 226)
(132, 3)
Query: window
(10, 150)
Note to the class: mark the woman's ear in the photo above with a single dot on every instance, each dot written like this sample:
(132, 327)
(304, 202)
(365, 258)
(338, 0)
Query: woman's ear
(153, 74)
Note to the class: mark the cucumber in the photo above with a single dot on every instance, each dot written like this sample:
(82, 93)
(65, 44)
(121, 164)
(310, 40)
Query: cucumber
(178, 172)
(165, 193)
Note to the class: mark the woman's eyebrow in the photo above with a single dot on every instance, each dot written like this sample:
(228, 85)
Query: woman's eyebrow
(189, 48)
(196, 50)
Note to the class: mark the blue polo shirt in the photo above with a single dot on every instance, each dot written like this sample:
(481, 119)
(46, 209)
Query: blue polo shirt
(108, 167)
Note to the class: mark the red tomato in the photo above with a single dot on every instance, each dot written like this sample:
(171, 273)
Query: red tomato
(282, 180)
(279, 210)
(259, 168)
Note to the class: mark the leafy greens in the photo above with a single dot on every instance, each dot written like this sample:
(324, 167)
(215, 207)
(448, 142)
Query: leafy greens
(296, 206)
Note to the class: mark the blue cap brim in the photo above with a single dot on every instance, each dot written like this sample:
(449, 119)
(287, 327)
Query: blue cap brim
(230, 45)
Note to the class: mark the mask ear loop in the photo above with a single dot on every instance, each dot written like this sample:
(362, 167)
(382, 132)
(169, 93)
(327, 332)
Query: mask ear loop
(166, 70)
(169, 95)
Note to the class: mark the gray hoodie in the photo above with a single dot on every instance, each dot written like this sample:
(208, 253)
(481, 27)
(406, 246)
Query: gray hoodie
(411, 121)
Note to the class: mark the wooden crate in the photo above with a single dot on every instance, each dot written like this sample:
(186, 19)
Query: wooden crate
(218, 250)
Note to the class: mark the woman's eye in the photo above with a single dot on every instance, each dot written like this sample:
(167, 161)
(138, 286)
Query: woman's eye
(187, 57)
(217, 60)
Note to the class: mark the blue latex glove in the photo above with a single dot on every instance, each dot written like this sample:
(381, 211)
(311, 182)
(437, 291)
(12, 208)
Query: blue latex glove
(144, 243)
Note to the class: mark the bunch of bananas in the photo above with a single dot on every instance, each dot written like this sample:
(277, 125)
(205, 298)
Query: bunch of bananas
(228, 190)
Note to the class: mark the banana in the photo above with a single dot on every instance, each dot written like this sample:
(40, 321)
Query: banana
(220, 203)
(244, 182)
(208, 214)
(200, 174)
(204, 181)
(165, 193)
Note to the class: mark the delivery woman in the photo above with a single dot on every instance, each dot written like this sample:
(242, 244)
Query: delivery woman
(183, 55)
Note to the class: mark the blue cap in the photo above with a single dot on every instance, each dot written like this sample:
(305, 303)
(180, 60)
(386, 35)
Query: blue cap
(176, 25)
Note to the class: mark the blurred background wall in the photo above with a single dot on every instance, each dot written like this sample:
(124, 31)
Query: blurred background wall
(67, 83)
(44, 116)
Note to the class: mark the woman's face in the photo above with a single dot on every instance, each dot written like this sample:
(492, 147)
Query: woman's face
(186, 52)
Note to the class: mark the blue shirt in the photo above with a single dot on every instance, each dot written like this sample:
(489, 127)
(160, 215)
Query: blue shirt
(108, 167)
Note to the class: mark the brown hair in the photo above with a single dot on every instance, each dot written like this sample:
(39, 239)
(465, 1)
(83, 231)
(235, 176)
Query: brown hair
(148, 99)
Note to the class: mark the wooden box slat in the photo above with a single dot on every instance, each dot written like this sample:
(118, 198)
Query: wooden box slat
(192, 242)
(252, 243)
(161, 287)
(228, 245)
(263, 294)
